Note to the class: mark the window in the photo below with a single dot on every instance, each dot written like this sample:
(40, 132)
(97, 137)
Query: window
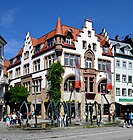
(27, 85)
(130, 93)
(130, 66)
(94, 46)
(124, 64)
(10, 74)
(117, 77)
(37, 86)
(102, 65)
(19, 58)
(105, 49)
(117, 91)
(26, 69)
(49, 60)
(124, 78)
(69, 84)
(50, 42)
(123, 92)
(37, 49)
(88, 63)
(129, 79)
(91, 81)
(36, 65)
(70, 58)
(89, 33)
(118, 63)
(66, 59)
(11, 61)
(86, 84)
(68, 40)
(84, 44)
(17, 72)
(26, 54)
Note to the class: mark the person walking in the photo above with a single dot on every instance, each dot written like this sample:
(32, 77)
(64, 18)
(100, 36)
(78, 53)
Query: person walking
(126, 118)
(14, 117)
(131, 118)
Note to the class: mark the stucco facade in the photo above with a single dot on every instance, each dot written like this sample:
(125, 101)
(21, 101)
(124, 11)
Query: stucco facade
(65, 44)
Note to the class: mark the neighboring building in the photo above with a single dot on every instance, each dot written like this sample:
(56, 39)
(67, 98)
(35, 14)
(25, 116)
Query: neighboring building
(123, 69)
(89, 51)
(3, 80)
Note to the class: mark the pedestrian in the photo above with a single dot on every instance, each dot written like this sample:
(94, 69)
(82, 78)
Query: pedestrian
(126, 118)
(131, 118)
(19, 117)
(112, 115)
(8, 121)
(14, 117)
(11, 120)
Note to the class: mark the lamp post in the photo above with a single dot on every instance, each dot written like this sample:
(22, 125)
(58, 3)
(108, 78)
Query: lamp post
(35, 89)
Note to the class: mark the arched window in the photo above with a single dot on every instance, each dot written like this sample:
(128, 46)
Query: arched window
(89, 59)
(69, 84)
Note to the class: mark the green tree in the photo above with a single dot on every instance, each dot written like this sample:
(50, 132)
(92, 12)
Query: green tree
(55, 79)
(16, 94)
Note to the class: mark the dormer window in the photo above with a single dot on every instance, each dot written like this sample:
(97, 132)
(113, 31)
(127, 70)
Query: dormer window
(126, 51)
(50, 42)
(105, 49)
(19, 58)
(68, 40)
(37, 49)
(11, 61)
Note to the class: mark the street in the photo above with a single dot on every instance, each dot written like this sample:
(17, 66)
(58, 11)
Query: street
(68, 133)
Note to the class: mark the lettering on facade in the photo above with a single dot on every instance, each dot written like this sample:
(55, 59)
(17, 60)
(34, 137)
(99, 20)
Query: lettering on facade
(125, 100)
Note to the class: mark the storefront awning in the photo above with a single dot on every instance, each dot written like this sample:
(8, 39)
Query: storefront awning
(125, 103)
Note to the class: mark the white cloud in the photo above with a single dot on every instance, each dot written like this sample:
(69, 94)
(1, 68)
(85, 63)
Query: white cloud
(12, 48)
(8, 18)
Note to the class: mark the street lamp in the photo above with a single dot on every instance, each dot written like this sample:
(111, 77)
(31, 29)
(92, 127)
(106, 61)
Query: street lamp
(35, 89)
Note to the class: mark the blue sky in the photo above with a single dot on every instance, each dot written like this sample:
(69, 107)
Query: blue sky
(39, 17)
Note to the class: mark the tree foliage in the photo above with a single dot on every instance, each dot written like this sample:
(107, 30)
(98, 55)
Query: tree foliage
(16, 94)
(55, 78)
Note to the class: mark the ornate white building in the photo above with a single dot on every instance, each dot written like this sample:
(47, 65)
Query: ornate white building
(65, 44)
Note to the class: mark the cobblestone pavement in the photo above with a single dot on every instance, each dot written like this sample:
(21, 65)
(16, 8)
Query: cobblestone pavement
(78, 132)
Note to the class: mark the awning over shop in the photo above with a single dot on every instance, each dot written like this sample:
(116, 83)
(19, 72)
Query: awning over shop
(125, 103)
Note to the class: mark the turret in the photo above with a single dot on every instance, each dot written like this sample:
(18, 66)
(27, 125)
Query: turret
(58, 40)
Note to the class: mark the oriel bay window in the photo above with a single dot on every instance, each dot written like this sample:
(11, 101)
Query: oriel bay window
(69, 59)
(90, 87)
